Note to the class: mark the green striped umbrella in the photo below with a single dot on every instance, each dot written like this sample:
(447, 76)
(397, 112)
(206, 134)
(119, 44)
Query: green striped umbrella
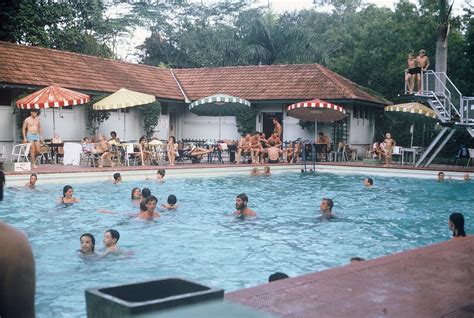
(219, 105)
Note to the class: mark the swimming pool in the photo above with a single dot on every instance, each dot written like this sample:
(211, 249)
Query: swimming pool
(202, 242)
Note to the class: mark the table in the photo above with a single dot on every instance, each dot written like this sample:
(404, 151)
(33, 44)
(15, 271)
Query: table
(414, 152)
(55, 150)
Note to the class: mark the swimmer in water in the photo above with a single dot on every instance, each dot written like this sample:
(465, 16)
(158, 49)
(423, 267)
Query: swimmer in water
(67, 198)
(255, 172)
(440, 176)
(160, 175)
(456, 225)
(466, 177)
(243, 210)
(32, 182)
(266, 171)
(149, 213)
(368, 182)
(326, 209)
(136, 195)
(87, 245)
(111, 238)
(171, 203)
(117, 178)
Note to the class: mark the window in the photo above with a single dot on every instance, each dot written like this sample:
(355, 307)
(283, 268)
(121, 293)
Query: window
(164, 108)
(355, 110)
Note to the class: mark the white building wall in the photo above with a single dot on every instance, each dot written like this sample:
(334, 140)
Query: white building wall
(207, 127)
(293, 131)
(70, 123)
(361, 130)
(7, 129)
(132, 130)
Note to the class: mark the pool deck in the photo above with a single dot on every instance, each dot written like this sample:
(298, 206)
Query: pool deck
(432, 281)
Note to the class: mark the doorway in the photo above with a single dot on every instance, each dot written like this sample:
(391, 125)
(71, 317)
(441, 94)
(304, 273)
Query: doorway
(173, 121)
(267, 123)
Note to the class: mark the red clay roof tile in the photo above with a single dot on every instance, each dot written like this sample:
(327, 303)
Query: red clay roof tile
(27, 65)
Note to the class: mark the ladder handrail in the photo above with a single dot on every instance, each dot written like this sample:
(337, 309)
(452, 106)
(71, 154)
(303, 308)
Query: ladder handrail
(445, 89)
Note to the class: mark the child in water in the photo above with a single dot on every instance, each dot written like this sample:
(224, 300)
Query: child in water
(87, 245)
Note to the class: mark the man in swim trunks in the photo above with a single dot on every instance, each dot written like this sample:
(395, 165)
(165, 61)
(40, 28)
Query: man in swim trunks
(32, 134)
(412, 73)
(241, 205)
(274, 153)
(243, 146)
(277, 129)
(423, 64)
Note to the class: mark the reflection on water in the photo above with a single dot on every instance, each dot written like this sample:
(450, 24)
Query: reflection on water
(203, 242)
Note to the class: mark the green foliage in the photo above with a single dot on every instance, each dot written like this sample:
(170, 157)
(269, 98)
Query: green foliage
(95, 117)
(151, 115)
(246, 121)
(306, 125)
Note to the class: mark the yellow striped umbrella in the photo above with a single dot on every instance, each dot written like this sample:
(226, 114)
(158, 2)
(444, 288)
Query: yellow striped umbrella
(413, 108)
(123, 98)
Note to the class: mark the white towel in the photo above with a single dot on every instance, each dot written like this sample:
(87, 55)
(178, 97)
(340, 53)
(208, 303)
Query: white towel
(72, 153)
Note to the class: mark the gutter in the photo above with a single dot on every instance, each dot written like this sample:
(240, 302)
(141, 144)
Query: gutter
(186, 99)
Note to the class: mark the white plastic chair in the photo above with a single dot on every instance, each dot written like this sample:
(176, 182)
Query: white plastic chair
(471, 156)
(2, 153)
(20, 152)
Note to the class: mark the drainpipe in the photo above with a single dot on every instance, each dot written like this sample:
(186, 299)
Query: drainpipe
(186, 99)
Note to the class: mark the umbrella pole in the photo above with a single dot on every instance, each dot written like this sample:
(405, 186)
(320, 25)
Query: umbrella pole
(54, 124)
(412, 128)
(219, 123)
(125, 126)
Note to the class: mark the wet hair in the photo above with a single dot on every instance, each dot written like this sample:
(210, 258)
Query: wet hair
(116, 176)
(66, 189)
(114, 233)
(277, 276)
(243, 197)
(172, 199)
(133, 190)
(357, 259)
(161, 172)
(34, 175)
(143, 205)
(370, 181)
(458, 221)
(151, 198)
(272, 143)
(330, 203)
(91, 237)
(113, 134)
(441, 173)
(146, 193)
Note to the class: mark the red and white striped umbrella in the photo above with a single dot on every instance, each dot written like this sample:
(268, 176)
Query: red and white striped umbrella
(317, 111)
(52, 96)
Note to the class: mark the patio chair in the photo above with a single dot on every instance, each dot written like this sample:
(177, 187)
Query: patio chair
(20, 153)
(397, 151)
(471, 155)
(461, 153)
(3, 154)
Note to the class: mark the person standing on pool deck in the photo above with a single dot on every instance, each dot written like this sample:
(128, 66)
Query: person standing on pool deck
(389, 145)
(17, 277)
(32, 134)
(150, 212)
(326, 208)
(241, 205)
(277, 129)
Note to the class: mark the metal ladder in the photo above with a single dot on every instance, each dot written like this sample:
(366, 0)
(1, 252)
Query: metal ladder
(454, 110)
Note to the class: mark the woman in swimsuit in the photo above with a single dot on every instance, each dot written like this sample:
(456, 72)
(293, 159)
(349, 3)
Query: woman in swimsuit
(172, 149)
(67, 198)
(87, 245)
(456, 225)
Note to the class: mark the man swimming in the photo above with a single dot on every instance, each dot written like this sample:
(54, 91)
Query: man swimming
(32, 134)
(117, 178)
(326, 209)
(368, 182)
(32, 182)
(111, 238)
(149, 213)
(171, 203)
(241, 205)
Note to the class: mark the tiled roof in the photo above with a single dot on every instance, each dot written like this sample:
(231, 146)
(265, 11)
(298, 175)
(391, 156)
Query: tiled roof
(272, 82)
(28, 65)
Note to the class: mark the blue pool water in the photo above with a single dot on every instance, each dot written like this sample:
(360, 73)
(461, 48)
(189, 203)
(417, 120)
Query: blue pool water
(202, 242)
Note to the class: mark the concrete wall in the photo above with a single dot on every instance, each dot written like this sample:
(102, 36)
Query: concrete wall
(131, 131)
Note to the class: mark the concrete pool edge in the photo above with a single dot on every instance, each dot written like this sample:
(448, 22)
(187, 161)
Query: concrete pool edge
(431, 281)
(18, 179)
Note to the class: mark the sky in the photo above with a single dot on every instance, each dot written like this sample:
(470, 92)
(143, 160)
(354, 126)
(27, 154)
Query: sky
(126, 46)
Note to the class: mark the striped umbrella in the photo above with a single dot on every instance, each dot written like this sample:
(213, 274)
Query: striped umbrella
(317, 111)
(413, 108)
(124, 98)
(219, 105)
(52, 97)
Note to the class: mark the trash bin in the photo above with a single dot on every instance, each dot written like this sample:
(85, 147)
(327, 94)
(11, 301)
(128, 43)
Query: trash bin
(126, 300)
